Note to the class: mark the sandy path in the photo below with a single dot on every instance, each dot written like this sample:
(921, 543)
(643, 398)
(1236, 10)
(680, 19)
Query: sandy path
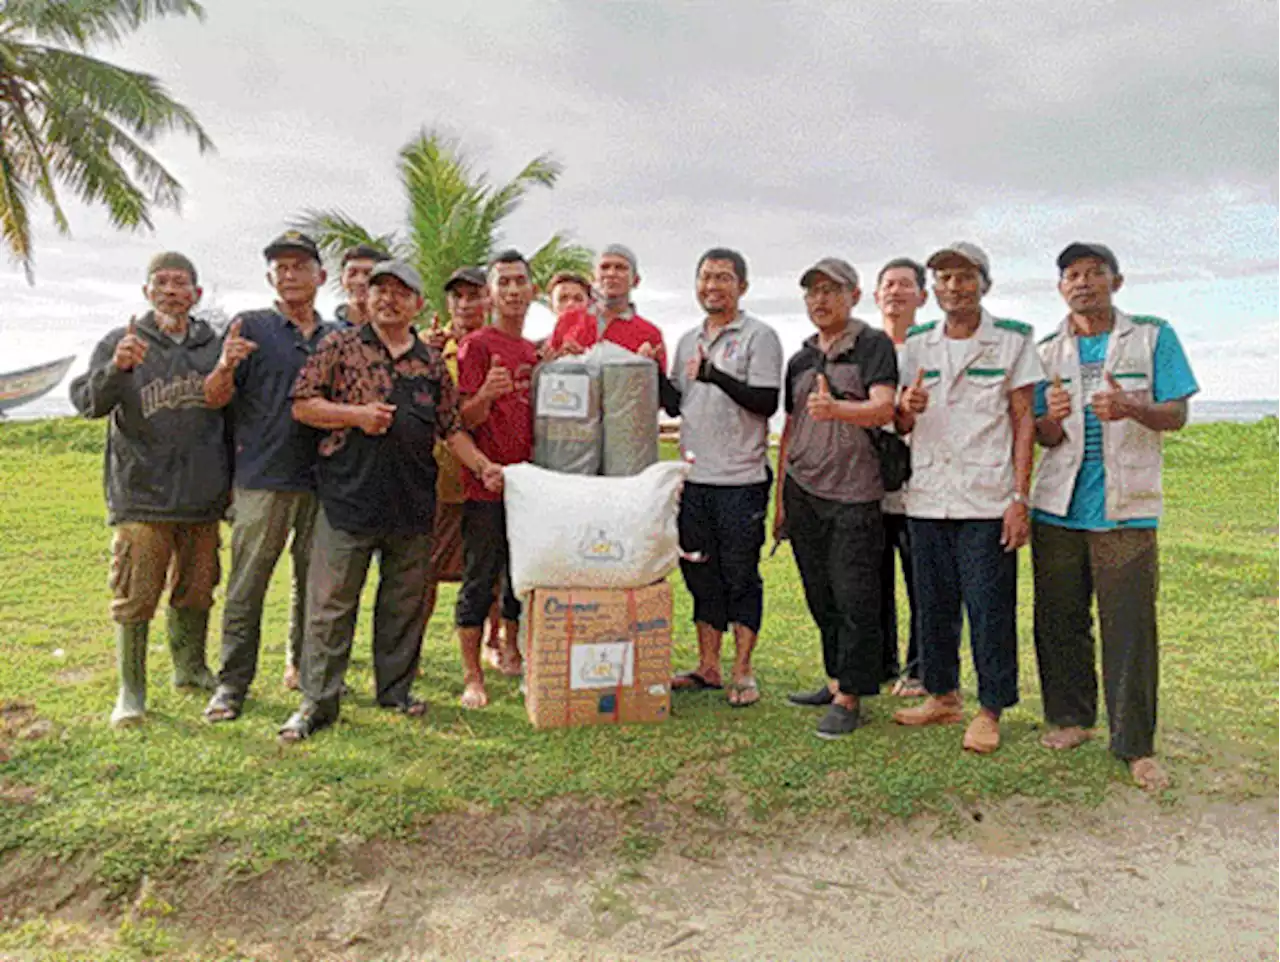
(1136, 883)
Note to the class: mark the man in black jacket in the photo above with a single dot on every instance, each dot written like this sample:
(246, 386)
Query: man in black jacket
(166, 477)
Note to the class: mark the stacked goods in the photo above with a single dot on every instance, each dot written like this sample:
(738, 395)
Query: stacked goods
(596, 413)
(629, 408)
(589, 556)
(598, 656)
(581, 532)
(567, 429)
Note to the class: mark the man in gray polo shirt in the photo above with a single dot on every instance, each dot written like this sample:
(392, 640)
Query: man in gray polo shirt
(842, 382)
(724, 386)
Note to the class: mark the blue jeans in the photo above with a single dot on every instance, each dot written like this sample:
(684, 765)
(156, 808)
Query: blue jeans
(961, 565)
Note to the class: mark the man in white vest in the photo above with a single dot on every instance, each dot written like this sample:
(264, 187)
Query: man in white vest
(967, 404)
(1114, 383)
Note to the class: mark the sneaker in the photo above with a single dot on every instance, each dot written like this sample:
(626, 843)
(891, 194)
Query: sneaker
(934, 710)
(839, 721)
(812, 699)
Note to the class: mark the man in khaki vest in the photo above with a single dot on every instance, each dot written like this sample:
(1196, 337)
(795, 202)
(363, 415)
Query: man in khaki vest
(1114, 383)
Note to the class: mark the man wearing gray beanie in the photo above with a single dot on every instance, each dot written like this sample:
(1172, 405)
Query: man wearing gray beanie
(610, 315)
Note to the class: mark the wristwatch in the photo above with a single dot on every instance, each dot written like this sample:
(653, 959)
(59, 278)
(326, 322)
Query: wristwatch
(1019, 498)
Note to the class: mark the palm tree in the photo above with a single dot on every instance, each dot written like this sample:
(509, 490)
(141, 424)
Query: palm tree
(72, 121)
(454, 217)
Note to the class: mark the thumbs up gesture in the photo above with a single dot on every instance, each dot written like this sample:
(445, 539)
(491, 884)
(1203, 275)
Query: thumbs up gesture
(693, 366)
(821, 405)
(914, 397)
(235, 347)
(130, 349)
(1113, 404)
(497, 381)
(1057, 401)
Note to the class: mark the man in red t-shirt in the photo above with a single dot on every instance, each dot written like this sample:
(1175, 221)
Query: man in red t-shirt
(610, 316)
(495, 370)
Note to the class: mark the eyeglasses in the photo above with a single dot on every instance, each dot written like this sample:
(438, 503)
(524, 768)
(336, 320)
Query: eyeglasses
(823, 290)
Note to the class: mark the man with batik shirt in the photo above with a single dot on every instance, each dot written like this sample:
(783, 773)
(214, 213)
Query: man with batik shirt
(383, 397)
(1114, 383)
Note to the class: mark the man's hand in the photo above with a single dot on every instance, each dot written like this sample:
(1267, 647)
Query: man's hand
(915, 398)
(654, 352)
(497, 382)
(1016, 528)
(1113, 404)
(235, 348)
(491, 477)
(436, 336)
(694, 364)
(375, 419)
(131, 349)
(1057, 401)
(821, 405)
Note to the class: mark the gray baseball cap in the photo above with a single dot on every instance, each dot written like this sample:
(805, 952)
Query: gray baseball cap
(970, 253)
(623, 251)
(841, 272)
(466, 275)
(1080, 249)
(401, 271)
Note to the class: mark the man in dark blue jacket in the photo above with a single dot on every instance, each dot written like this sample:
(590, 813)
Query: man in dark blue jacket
(274, 499)
(166, 477)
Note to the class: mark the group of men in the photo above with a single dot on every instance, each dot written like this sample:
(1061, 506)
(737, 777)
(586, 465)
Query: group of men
(371, 436)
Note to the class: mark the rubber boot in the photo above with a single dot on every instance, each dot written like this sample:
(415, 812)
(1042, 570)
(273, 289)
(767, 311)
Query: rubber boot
(188, 629)
(131, 664)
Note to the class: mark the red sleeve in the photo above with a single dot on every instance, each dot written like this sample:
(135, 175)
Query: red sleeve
(473, 364)
(564, 325)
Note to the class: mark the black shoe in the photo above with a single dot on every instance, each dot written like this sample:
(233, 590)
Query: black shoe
(813, 699)
(838, 722)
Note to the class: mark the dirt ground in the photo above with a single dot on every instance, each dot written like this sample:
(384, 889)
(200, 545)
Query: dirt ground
(1130, 881)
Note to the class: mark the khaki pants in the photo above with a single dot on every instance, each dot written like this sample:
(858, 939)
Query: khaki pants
(262, 523)
(145, 555)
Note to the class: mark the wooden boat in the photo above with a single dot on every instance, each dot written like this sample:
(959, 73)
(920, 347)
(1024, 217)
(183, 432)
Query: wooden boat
(19, 387)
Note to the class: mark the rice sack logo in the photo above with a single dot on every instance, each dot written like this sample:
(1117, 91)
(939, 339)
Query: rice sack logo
(596, 545)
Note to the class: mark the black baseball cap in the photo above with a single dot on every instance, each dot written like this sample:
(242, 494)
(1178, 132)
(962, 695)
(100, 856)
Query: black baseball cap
(466, 275)
(1079, 250)
(292, 240)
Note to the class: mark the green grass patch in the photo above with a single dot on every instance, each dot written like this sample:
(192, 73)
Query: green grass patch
(149, 800)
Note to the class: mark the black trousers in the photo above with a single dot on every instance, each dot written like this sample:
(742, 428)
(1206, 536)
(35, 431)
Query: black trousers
(485, 559)
(897, 538)
(837, 548)
(1121, 569)
(725, 524)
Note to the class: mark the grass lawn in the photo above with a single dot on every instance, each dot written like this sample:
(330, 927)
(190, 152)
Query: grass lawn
(176, 790)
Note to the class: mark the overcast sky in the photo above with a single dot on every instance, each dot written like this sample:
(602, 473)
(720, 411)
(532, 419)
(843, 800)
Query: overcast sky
(788, 130)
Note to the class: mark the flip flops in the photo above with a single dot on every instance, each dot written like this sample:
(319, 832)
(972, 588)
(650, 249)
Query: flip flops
(692, 681)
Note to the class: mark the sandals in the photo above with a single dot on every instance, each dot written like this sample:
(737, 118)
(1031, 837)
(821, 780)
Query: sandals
(298, 728)
(221, 708)
(411, 708)
(744, 692)
(692, 681)
(907, 687)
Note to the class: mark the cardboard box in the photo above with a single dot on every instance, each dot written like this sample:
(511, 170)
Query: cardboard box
(598, 656)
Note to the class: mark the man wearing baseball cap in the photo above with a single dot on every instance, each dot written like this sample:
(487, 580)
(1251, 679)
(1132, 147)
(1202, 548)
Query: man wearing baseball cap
(1114, 383)
(167, 477)
(611, 315)
(467, 299)
(274, 500)
(383, 398)
(841, 383)
(967, 403)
